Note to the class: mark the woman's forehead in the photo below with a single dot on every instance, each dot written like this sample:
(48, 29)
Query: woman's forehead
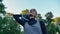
(32, 11)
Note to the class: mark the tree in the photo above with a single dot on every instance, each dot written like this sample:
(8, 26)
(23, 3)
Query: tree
(51, 27)
(0, 0)
(49, 17)
(8, 25)
(26, 11)
(2, 12)
(2, 8)
(57, 20)
(39, 16)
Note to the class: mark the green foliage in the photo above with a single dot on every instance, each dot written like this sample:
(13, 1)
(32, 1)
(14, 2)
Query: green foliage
(51, 29)
(0, 0)
(7, 23)
(39, 16)
(9, 26)
(49, 16)
(2, 8)
(26, 11)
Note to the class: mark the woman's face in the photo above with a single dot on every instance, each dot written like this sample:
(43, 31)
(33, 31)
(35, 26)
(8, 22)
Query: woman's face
(32, 13)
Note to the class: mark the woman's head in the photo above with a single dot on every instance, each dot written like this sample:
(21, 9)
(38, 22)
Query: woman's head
(33, 12)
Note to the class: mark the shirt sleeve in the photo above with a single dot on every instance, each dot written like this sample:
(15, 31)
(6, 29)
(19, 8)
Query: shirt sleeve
(20, 21)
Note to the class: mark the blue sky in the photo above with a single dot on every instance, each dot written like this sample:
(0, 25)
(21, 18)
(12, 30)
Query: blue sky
(42, 6)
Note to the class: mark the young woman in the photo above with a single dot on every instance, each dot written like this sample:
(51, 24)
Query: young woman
(30, 24)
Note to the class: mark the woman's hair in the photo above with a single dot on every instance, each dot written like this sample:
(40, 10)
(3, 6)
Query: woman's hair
(33, 10)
